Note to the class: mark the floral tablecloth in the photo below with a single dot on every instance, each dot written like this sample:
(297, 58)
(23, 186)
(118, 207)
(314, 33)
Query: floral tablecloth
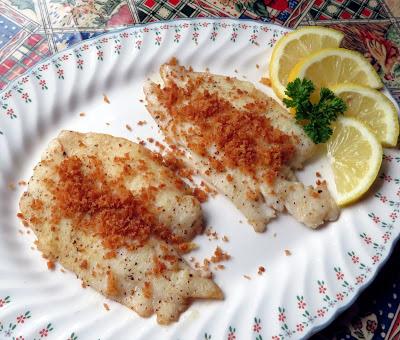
(31, 30)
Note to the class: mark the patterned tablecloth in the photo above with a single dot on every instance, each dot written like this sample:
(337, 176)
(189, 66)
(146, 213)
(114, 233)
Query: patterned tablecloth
(31, 30)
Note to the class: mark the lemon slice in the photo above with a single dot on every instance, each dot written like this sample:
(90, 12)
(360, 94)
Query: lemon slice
(336, 65)
(372, 108)
(295, 46)
(355, 156)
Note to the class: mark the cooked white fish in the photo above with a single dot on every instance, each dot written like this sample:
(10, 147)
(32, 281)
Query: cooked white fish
(242, 142)
(109, 211)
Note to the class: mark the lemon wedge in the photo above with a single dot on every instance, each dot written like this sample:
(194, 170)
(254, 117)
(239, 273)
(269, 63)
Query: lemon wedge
(336, 65)
(372, 108)
(355, 156)
(294, 46)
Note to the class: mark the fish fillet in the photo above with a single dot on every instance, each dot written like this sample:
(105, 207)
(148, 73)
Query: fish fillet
(109, 211)
(241, 141)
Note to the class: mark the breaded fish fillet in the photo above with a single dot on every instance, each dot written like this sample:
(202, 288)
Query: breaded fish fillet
(242, 142)
(108, 210)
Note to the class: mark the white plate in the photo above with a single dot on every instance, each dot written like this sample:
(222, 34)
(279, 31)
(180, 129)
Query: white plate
(297, 295)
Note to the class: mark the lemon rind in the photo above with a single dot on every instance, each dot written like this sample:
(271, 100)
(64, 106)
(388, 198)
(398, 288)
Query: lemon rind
(375, 161)
(387, 106)
(278, 88)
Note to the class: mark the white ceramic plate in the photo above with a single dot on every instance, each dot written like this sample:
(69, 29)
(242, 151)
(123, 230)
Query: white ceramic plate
(297, 295)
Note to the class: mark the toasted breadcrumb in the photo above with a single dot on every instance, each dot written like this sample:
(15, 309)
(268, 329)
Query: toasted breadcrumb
(287, 252)
(82, 114)
(141, 122)
(315, 194)
(187, 247)
(206, 264)
(62, 270)
(128, 127)
(105, 99)
(51, 265)
(84, 264)
(257, 66)
(247, 277)
(225, 238)
(261, 270)
(106, 307)
(132, 218)
(219, 256)
(21, 183)
(220, 266)
(318, 174)
(265, 81)
(112, 285)
(212, 235)
(200, 195)
(160, 146)
(110, 255)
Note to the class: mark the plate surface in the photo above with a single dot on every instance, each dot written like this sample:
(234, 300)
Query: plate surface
(296, 296)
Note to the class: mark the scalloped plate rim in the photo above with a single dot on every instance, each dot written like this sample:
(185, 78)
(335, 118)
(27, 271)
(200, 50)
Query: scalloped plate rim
(361, 288)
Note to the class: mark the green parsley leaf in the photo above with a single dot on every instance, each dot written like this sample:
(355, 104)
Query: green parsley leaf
(316, 118)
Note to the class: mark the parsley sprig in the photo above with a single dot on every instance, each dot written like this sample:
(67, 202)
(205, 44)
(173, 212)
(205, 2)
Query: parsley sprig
(316, 118)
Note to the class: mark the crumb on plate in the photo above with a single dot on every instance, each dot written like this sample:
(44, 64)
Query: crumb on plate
(219, 256)
(51, 265)
(261, 270)
(212, 235)
(105, 99)
(265, 81)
